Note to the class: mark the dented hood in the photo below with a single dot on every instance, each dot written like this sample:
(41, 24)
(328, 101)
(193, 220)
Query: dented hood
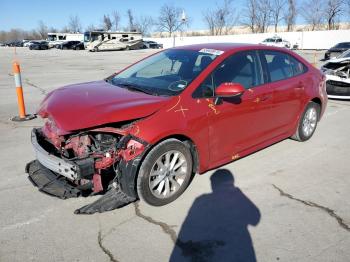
(86, 105)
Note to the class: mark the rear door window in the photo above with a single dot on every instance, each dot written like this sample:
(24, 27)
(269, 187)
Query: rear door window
(297, 67)
(282, 66)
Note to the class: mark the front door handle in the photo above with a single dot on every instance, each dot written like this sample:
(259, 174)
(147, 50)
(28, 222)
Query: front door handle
(262, 99)
(265, 98)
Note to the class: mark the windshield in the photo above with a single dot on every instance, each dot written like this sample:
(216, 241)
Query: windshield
(86, 36)
(51, 37)
(342, 45)
(166, 73)
(345, 54)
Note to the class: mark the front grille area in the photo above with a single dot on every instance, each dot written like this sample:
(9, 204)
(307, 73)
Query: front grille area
(337, 88)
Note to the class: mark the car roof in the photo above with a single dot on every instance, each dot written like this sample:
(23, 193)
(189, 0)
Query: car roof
(229, 47)
(219, 46)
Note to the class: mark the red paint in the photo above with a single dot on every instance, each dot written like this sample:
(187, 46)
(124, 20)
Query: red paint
(104, 162)
(266, 114)
(79, 144)
(229, 89)
(133, 149)
(50, 131)
(92, 104)
(96, 179)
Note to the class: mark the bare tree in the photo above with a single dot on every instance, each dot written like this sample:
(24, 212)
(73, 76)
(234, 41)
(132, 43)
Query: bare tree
(250, 18)
(3, 36)
(53, 30)
(74, 24)
(221, 19)
(144, 24)
(42, 29)
(116, 19)
(19, 34)
(313, 13)
(333, 9)
(65, 29)
(263, 15)
(290, 15)
(33, 34)
(169, 19)
(277, 7)
(130, 19)
(14, 35)
(90, 27)
(258, 15)
(209, 18)
(106, 22)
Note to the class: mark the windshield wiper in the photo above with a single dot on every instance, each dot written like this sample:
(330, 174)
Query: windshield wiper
(132, 87)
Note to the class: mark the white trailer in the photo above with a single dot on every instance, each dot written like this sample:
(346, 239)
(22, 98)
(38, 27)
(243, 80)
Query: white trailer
(58, 38)
(107, 41)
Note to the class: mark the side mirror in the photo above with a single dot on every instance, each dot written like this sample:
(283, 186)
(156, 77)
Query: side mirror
(228, 90)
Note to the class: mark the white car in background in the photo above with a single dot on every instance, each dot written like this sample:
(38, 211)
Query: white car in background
(337, 71)
(28, 43)
(276, 41)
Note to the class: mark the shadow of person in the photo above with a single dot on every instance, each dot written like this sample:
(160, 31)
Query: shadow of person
(216, 227)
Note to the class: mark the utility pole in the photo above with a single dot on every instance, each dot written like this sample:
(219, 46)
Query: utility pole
(183, 20)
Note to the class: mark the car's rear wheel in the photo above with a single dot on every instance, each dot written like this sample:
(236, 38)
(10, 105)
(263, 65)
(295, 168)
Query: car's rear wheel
(308, 122)
(165, 173)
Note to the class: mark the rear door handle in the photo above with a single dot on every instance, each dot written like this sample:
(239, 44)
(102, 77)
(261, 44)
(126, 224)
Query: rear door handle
(300, 85)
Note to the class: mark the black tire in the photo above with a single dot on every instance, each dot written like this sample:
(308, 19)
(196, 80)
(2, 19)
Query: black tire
(144, 177)
(95, 49)
(301, 135)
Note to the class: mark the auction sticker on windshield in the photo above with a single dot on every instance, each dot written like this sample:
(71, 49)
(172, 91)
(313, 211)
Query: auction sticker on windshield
(211, 51)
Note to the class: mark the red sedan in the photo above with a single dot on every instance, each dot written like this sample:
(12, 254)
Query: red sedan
(144, 131)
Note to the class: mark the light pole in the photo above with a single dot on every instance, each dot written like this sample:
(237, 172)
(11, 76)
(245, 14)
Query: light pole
(183, 20)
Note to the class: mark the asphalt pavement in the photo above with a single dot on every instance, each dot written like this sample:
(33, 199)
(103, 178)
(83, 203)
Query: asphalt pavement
(288, 202)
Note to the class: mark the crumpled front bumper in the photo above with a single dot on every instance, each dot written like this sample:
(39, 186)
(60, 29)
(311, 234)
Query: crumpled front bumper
(54, 176)
(52, 162)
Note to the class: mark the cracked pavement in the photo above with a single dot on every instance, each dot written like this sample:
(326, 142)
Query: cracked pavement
(288, 202)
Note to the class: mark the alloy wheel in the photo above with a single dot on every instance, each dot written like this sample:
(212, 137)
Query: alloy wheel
(309, 121)
(168, 174)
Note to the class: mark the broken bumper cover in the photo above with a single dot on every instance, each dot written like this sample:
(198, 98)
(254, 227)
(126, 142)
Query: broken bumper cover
(53, 175)
(49, 182)
(52, 162)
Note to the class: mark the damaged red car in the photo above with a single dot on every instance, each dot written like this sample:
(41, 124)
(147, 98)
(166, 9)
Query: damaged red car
(143, 132)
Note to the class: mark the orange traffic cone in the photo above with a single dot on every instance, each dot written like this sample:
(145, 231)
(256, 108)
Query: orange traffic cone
(20, 100)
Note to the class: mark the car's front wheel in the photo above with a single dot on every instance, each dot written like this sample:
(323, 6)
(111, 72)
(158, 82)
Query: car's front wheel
(165, 173)
(308, 122)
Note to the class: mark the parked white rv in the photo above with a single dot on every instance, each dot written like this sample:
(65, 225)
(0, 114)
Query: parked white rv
(104, 40)
(58, 38)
